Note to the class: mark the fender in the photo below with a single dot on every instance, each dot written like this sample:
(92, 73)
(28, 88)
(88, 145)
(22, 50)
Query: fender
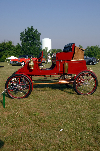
(83, 71)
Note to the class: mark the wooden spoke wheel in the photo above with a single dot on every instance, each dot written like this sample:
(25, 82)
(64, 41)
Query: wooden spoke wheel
(18, 86)
(85, 83)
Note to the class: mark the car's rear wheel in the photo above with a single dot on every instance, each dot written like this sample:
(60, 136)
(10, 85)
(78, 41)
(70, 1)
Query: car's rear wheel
(85, 83)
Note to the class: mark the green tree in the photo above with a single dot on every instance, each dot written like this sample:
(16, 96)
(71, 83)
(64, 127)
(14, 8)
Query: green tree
(18, 50)
(30, 41)
(80, 46)
(45, 53)
(6, 50)
(93, 51)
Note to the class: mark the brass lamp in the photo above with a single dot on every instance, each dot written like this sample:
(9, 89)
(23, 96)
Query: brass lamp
(31, 64)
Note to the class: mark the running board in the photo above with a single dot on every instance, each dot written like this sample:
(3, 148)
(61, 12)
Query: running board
(59, 82)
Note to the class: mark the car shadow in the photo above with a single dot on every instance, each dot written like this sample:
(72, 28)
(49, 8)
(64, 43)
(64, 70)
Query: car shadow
(43, 87)
(1, 102)
(1, 143)
(61, 87)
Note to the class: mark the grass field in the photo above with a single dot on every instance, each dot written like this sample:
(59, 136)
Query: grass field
(52, 118)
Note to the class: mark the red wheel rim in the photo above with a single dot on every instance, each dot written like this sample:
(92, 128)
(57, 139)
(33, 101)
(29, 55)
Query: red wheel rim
(18, 87)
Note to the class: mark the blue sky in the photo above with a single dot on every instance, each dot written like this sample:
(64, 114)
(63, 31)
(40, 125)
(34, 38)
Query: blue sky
(63, 21)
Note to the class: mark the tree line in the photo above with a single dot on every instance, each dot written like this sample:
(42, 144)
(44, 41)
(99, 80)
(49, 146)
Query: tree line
(31, 45)
(93, 51)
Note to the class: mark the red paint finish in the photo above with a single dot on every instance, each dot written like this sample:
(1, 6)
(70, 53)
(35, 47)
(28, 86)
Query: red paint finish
(74, 66)
(62, 64)
(65, 55)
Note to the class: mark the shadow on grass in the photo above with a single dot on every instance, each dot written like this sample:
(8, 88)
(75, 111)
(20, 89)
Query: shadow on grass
(1, 102)
(61, 87)
(1, 143)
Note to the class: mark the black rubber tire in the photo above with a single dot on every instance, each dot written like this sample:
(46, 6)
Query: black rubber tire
(80, 82)
(13, 73)
(26, 79)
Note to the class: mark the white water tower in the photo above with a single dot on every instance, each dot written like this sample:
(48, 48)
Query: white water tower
(46, 43)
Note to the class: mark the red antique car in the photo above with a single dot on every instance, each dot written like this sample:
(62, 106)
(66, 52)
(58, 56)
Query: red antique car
(22, 59)
(68, 66)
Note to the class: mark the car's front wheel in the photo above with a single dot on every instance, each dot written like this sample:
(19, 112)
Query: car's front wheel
(18, 86)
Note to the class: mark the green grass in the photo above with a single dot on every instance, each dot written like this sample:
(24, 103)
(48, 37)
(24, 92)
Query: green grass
(35, 123)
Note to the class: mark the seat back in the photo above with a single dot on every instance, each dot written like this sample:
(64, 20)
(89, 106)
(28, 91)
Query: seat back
(78, 53)
(68, 47)
(67, 53)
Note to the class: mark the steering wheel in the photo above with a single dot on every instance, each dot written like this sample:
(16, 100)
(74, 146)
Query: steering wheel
(40, 57)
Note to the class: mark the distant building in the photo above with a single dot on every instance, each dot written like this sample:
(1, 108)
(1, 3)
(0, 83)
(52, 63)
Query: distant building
(46, 43)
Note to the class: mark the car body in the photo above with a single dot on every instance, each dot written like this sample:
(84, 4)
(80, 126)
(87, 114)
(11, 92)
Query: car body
(22, 59)
(90, 60)
(68, 67)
